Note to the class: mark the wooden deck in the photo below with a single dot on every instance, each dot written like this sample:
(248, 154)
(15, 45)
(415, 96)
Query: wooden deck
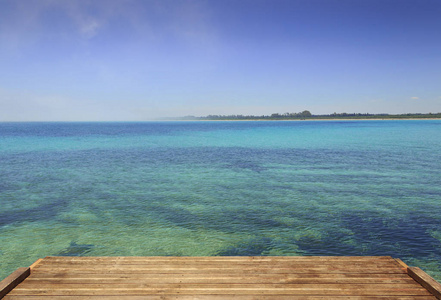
(73, 278)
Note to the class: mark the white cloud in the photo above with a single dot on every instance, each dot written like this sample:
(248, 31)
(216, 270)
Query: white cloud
(415, 98)
(89, 27)
(24, 23)
(88, 18)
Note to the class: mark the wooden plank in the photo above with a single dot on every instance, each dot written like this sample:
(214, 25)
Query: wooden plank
(287, 264)
(217, 297)
(246, 278)
(193, 259)
(232, 270)
(402, 264)
(188, 259)
(426, 281)
(197, 260)
(292, 276)
(225, 269)
(219, 258)
(319, 291)
(268, 286)
(10, 282)
(36, 263)
(150, 279)
(391, 263)
(235, 265)
(227, 292)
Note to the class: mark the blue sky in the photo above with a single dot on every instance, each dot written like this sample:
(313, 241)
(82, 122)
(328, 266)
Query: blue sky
(130, 60)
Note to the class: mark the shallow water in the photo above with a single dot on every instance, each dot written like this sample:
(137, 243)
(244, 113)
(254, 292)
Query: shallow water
(221, 188)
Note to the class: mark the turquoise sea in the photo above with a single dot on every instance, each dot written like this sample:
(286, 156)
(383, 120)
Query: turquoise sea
(221, 188)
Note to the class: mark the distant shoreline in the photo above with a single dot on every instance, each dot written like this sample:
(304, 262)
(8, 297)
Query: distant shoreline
(203, 119)
(306, 115)
(308, 120)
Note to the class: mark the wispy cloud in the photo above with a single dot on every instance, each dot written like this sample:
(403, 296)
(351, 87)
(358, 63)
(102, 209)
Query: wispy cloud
(88, 26)
(415, 98)
(23, 22)
(87, 16)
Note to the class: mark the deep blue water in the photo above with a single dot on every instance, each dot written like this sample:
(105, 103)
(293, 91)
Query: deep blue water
(221, 188)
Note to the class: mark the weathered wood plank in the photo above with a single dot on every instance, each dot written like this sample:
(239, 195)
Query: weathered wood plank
(36, 263)
(330, 292)
(223, 265)
(218, 297)
(401, 263)
(287, 263)
(245, 286)
(10, 282)
(221, 258)
(426, 281)
(218, 258)
(235, 265)
(226, 269)
(391, 264)
(232, 270)
(215, 260)
(219, 278)
(232, 277)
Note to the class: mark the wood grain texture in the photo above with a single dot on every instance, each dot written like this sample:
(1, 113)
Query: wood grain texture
(426, 281)
(36, 263)
(244, 278)
(218, 297)
(10, 282)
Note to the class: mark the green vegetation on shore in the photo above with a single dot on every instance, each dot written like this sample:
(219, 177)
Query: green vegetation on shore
(306, 115)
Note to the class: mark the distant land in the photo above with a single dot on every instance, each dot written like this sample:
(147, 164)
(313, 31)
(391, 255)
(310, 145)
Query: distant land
(307, 115)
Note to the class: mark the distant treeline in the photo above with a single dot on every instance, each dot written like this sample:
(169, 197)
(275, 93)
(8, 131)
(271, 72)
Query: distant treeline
(306, 115)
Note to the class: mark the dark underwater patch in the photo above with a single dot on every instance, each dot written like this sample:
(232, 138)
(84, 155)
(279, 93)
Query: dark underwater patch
(75, 249)
(38, 213)
(374, 235)
(246, 165)
(255, 247)
(242, 220)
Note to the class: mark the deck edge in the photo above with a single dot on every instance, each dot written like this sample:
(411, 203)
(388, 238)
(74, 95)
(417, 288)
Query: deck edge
(35, 263)
(10, 282)
(430, 284)
(403, 265)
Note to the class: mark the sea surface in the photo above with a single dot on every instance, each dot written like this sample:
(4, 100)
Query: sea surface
(221, 188)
